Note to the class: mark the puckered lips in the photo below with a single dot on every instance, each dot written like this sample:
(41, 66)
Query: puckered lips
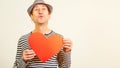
(41, 16)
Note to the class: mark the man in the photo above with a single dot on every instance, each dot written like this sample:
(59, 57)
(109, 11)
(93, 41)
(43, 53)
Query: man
(40, 13)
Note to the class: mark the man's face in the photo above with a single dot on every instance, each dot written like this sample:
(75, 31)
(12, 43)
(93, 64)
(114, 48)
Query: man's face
(40, 14)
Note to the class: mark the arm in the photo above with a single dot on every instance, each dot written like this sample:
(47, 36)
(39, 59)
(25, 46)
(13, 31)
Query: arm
(64, 59)
(19, 62)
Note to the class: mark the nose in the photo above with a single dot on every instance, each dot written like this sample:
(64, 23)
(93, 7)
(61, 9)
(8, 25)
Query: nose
(40, 12)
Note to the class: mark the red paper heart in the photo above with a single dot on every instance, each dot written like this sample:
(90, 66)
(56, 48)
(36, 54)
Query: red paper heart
(44, 47)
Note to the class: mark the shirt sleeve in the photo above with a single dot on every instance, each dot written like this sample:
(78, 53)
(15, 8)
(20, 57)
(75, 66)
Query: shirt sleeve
(64, 59)
(19, 62)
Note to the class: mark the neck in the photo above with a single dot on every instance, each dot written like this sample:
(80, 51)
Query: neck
(42, 28)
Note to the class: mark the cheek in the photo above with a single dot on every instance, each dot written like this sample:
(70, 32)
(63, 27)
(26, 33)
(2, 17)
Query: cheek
(35, 13)
(33, 18)
(47, 16)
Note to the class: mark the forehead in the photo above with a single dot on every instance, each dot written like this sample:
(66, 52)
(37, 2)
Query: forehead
(40, 5)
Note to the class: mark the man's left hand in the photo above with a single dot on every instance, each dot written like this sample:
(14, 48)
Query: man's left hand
(67, 45)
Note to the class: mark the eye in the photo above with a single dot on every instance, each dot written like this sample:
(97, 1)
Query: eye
(36, 9)
(43, 8)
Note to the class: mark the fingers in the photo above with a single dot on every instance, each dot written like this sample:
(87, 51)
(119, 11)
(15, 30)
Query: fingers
(28, 54)
(67, 41)
(67, 44)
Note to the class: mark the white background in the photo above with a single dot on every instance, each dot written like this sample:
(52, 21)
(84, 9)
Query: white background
(92, 25)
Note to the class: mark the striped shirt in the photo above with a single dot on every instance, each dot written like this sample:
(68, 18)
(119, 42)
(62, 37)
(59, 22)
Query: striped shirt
(60, 60)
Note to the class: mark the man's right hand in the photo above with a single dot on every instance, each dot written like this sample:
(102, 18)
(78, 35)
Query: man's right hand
(28, 54)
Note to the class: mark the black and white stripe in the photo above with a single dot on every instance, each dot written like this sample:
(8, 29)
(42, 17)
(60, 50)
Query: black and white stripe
(60, 60)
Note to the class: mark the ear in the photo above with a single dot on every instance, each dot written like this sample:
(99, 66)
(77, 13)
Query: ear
(49, 15)
(31, 16)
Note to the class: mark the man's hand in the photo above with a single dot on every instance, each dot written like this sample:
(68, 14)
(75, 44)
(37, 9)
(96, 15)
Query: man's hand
(67, 45)
(28, 54)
